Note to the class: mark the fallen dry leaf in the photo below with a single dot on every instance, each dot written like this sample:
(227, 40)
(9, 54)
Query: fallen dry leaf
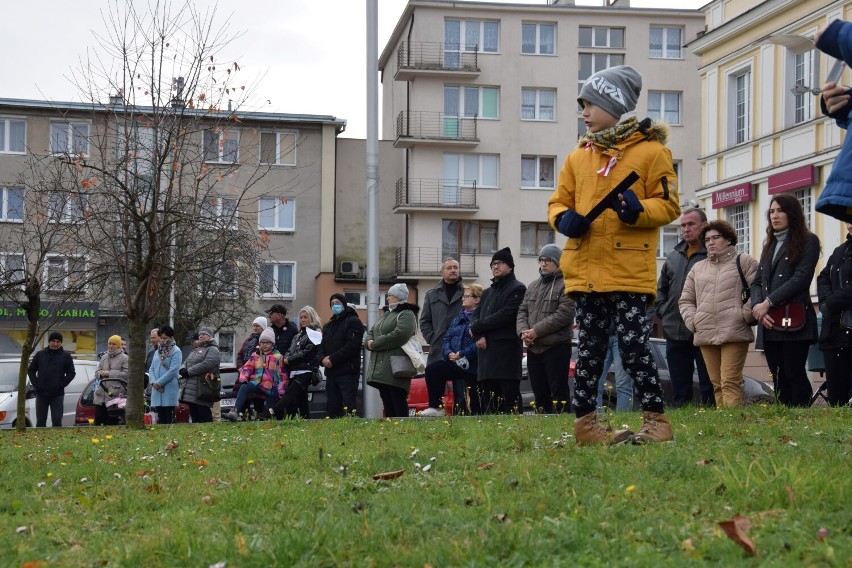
(34, 564)
(143, 472)
(172, 445)
(485, 466)
(790, 495)
(736, 530)
(503, 518)
(704, 462)
(389, 474)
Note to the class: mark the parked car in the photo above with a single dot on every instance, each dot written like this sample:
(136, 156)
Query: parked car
(9, 368)
(754, 391)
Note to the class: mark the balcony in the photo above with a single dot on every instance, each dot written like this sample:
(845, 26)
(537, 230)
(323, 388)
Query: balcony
(417, 262)
(416, 128)
(435, 60)
(435, 195)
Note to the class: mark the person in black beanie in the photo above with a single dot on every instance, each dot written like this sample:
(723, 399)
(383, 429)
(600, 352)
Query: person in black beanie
(284, 329)
(50, 371)
(500, 348)
(340, 355)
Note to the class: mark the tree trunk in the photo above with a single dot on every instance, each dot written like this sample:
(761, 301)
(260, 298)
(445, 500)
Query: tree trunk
(32, 308)
(135, 410)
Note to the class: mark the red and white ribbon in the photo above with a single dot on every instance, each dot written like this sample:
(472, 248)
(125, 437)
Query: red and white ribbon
(604, 171)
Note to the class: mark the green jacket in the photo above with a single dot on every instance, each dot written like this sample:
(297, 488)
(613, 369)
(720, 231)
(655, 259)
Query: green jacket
(389, 334)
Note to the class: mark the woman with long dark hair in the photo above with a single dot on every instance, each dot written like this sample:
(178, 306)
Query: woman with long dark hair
(784, 276)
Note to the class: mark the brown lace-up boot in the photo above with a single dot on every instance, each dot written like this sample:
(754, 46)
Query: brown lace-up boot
(655, 429)
(589, 432)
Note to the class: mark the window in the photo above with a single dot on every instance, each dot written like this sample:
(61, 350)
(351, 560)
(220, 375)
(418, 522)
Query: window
(278, 148)
(601, 37)
(669, 238)
(665, 43)
(276, 214)
(804, 76)
(277, 279)
(538, 39)
(221, 211)
(537, 172)
(471, 35)
(69, 138)
(483, 170)
(581, 127)
(591, 63)
(739, 218)
(534, 236)
(222, 145)
(358, 298)
(538, 104)
(63, 273)
(68, 207)
(11, 203)
(739, 115)
(13, 135)
(804, 196)
(468, 237)
(664, 106)
(471, 102)
(226, 341)
(11, 267)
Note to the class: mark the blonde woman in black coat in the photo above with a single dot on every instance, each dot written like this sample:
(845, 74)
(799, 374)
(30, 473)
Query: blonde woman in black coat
(784, 274)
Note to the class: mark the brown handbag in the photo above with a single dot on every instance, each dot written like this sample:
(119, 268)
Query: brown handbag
(789, 316)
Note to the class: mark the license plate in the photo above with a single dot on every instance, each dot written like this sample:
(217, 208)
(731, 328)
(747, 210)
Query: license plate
(227, 402)
(412, 411)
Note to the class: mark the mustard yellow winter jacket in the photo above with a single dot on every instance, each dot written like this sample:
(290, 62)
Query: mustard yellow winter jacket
(614, 256)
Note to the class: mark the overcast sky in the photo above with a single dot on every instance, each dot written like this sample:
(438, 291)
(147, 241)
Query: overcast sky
(309, 54)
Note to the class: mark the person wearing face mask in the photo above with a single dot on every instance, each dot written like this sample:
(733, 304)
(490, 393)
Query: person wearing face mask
(340, 355)
(834, 289)
(385, 340)
(784, 275)
(713, 310)
(546, 325)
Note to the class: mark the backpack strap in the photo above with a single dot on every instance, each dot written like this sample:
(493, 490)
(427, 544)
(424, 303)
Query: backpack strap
(745, 295)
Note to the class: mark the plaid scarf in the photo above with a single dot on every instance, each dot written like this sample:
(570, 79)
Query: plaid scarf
(165, 349)
(609, 137)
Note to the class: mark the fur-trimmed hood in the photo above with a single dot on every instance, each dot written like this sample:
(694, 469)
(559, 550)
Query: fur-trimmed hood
(653, 130)
(403, 306)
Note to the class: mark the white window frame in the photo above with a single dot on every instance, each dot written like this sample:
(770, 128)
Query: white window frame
(538, 115)
(668, 234)
(69, 127)
(214, 209)
(481, 229)
(608, 43)
(70, 212)
(665, 98)
(664, 48)
(227, 341)
(463, 46)
(4, 263)
(464, 172)
(224, 137)
(460, 103)
(739, 113)
(739, 216)
(48, 280)
(5, 207)
(537, 26)
(277, 292)
(285, 152)
(805, 196)
(362, 298)
(540, 229)
(275, 204)
(6, 135)
(606, 60)
(538, 182)
(802, 70)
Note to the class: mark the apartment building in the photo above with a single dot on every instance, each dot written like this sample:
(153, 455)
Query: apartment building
(763, 131)
(480, 99)
(292, 204)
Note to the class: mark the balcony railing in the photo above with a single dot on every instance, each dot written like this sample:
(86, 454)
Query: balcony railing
(419, 261)
(435, 127)
(436, 193)
(436, 57)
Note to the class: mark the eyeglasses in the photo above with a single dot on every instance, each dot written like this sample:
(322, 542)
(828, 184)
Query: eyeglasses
(545, 260)
(496, 263)
(468, 296)
(711, 238)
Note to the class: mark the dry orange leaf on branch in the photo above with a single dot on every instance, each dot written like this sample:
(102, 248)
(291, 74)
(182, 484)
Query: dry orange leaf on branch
(736, 530)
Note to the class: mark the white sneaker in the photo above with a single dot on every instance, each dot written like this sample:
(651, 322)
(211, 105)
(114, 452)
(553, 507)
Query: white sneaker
(431, 413)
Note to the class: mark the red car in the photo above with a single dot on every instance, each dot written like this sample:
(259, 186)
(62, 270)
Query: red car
(418, 397)
(86, 408)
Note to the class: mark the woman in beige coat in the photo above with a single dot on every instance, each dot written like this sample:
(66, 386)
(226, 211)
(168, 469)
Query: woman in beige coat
(713, 309)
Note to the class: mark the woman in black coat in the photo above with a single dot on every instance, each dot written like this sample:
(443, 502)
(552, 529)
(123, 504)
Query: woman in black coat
(340, 355)
(834, 289)
(784, 275)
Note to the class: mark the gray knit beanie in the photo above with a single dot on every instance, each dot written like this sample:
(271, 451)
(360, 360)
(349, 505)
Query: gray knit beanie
(615, 90)
(552, 252)
(399, 291)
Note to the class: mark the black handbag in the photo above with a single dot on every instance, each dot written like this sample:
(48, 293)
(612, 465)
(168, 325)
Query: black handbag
(210, 387)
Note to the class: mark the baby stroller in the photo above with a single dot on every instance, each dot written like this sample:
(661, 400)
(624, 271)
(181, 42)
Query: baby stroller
(115, 391)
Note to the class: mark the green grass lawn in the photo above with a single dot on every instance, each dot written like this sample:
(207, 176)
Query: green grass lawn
(495, 491)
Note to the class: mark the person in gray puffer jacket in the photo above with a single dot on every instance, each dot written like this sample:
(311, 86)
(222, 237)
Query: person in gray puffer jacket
(203, 359)
(546, 325)
(682, 355)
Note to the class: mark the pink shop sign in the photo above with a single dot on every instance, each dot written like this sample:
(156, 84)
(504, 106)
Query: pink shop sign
(732, 195)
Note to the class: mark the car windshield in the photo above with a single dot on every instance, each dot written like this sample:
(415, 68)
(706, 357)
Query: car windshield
(9, 376)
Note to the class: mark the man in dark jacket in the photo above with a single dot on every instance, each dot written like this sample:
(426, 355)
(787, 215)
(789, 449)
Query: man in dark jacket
(441, 304)
(682, 355)
(50, 371)
(493, 327)
(340, 355)
(284, 329)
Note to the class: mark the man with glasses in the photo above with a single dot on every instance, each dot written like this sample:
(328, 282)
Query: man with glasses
(546, 325)
(493, 327)
(682, 355)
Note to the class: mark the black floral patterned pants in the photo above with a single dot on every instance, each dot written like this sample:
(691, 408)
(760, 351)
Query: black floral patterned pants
(632, 326)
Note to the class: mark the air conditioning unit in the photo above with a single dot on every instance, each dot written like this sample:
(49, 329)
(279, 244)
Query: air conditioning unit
(349, 268)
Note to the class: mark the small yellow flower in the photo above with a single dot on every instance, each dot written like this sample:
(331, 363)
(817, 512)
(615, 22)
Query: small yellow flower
(630, 489)
(49, 474)
(108, 437)
(95, 441)
(91, 420)
(250, 462)
(63, 464)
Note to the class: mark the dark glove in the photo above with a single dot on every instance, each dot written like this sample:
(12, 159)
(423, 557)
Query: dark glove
(572, 224)
(183, 372)
(630, 212)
